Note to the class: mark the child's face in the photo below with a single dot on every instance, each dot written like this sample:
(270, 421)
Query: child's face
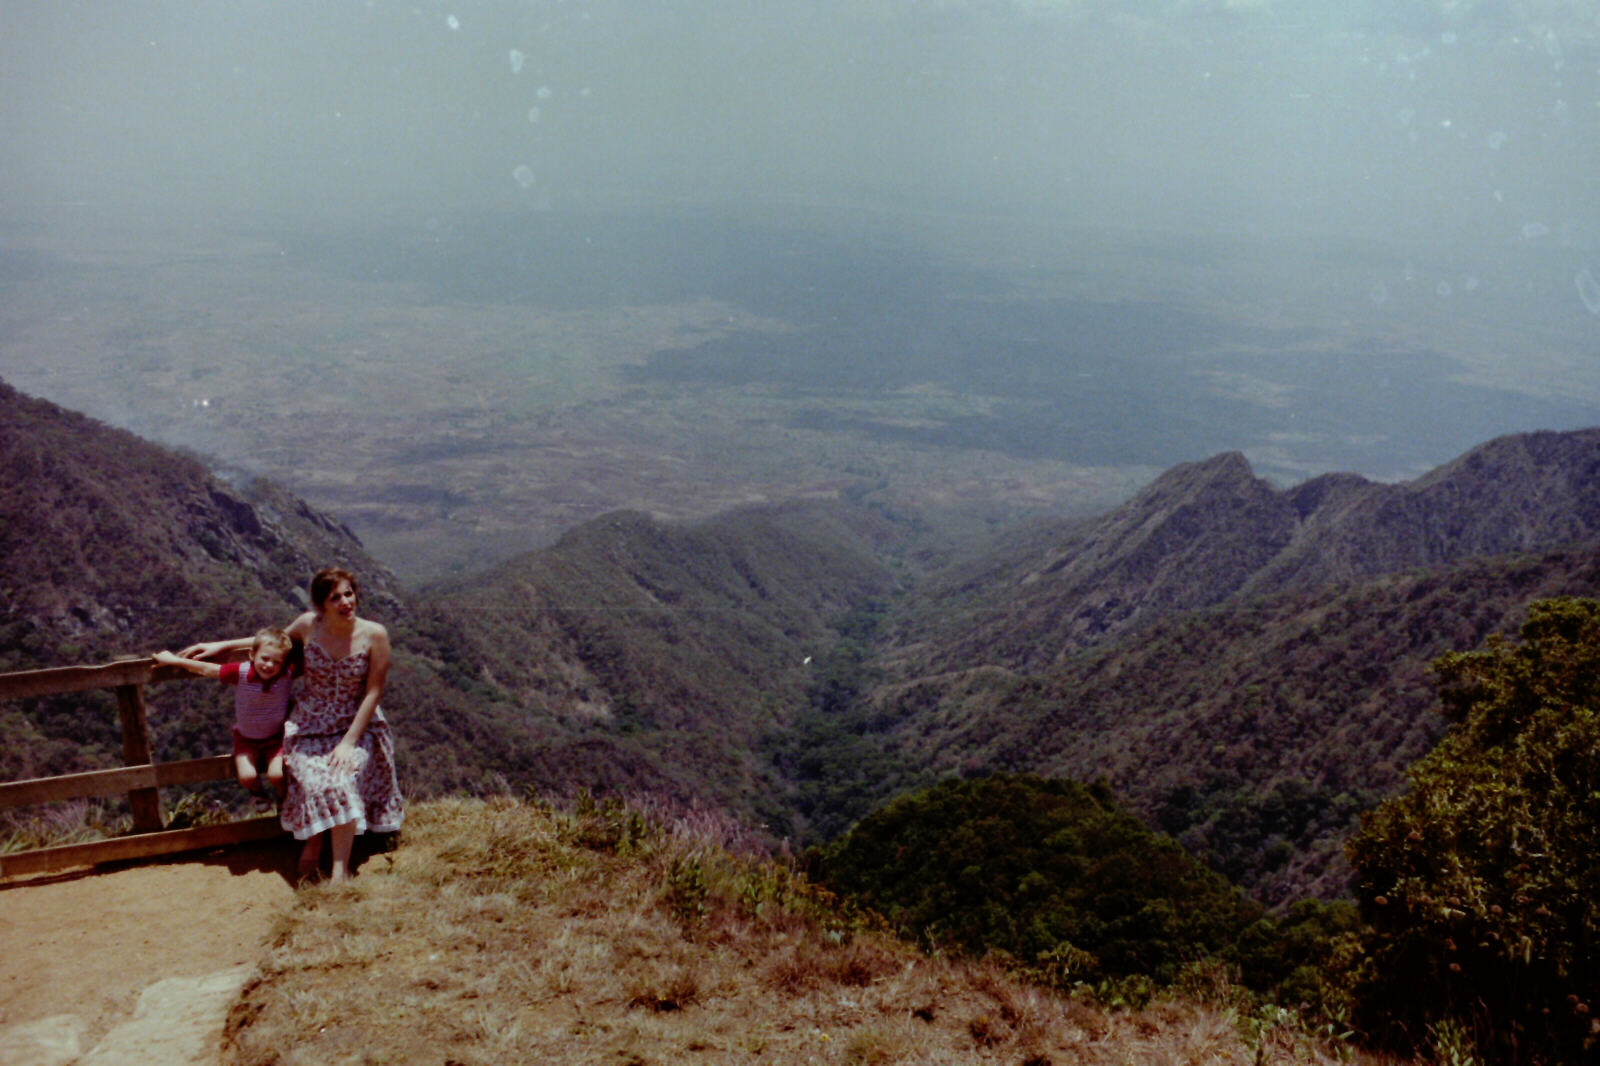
(266, 662)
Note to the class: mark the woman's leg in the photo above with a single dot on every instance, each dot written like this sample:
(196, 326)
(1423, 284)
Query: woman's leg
(344, 838)
(310, 855)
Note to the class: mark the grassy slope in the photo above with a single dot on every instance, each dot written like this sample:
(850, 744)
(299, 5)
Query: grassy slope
(503, 931)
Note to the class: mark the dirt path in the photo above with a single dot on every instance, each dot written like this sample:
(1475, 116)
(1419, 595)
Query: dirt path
(135, 963)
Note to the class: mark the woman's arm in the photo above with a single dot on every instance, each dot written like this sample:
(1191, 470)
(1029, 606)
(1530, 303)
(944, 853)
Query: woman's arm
(210, 648)
(194, 666)
(300, 627)
(343, 757)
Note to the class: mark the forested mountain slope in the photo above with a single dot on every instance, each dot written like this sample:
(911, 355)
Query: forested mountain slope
(1522, 493)
(664, 654)
(1254, 730)
(1248, 667)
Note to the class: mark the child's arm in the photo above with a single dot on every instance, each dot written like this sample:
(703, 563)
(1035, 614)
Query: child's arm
(194, 666)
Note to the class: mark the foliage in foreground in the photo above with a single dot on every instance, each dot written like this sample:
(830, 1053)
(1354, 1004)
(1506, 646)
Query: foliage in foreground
(1481, 882)
(510, 931)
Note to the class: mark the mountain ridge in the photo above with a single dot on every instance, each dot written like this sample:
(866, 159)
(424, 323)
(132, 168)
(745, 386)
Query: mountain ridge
(1205, 532)
(82, 497)
(646, 632)
(1554, 480)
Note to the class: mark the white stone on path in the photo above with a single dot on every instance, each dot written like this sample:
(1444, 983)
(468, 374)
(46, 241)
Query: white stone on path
(53, 1041)
(178, 1022)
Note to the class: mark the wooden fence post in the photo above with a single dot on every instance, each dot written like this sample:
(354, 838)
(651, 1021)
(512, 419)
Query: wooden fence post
(144, 802)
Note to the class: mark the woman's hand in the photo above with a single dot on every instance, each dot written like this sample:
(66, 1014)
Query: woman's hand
(200, 651)
(344, 758)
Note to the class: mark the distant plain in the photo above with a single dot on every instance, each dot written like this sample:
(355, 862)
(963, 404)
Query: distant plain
(464, 389)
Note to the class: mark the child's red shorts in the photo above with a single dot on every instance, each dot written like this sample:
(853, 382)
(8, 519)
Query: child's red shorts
(262, 751)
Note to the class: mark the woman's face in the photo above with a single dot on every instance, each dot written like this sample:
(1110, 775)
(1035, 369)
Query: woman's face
(341, 602)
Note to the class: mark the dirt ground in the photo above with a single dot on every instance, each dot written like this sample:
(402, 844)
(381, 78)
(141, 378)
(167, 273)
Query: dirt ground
(134, 962)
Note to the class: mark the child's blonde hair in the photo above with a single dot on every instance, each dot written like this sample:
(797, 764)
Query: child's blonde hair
(278, 638)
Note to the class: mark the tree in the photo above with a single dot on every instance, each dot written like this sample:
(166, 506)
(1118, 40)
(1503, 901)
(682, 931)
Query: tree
(1481, 882)
(1046, 871)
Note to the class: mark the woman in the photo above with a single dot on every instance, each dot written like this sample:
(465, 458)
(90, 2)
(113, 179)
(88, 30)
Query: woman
(337, 750)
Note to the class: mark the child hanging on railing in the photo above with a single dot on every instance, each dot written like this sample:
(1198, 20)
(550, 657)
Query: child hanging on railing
(261, 700)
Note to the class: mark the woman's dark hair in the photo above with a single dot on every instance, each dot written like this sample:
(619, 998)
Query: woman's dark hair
(326, 580)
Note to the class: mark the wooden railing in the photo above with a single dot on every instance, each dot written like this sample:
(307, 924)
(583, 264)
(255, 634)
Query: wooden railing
(140, 778)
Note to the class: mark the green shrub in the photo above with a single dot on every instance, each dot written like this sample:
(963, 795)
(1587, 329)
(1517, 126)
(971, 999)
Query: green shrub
(1049, 872)
(1480, 882)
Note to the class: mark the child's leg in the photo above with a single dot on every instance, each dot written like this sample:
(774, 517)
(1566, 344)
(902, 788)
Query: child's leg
(245, 767)
(276, 777)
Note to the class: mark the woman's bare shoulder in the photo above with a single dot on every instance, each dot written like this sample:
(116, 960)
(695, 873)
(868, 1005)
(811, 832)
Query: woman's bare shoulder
(301, 627)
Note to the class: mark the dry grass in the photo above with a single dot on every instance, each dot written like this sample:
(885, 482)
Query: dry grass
(71, 822)
(506, 932)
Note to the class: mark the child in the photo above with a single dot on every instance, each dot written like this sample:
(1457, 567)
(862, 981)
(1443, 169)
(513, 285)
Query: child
(260, 704)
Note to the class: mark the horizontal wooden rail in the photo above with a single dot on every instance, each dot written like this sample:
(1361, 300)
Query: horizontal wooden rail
(139, 846)
(111, 782)
(64, 679)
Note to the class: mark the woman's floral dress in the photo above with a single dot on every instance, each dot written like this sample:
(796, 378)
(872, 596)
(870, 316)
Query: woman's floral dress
(319, 798)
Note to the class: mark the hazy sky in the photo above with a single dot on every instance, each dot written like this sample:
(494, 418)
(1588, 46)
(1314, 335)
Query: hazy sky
(1426, 120)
